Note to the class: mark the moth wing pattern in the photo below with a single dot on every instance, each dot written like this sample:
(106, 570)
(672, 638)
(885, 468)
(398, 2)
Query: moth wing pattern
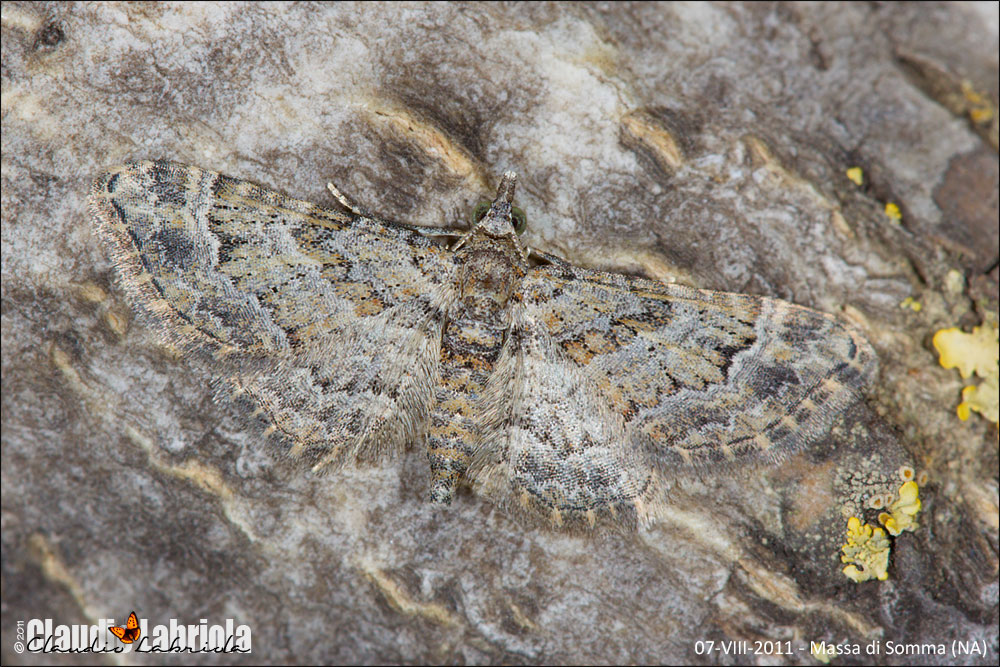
(675, 376)
(551, 446)
(329, 322)
(605, 384)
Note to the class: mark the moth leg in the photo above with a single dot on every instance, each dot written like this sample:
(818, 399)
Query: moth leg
(545, 256)
(443, 231)
(431, 232)
(347, 203)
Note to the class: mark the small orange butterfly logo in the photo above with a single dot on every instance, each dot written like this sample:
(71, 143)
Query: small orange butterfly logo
(130, 632)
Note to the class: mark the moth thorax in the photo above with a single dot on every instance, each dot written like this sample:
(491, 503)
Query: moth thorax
(490, 274)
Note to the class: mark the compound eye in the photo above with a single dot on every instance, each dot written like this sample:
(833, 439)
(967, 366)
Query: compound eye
(520, 220)
(480, 211)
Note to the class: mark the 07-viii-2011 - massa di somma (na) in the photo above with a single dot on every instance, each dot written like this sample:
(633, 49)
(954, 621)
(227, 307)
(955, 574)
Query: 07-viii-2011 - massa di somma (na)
(556, 390)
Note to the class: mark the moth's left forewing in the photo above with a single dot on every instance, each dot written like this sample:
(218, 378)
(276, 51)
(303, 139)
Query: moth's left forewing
(226, 263)
(329, 322)
(701, 376)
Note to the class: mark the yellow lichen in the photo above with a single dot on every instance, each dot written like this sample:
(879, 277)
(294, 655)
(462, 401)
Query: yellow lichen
(984, 398)
(856, 175)
(969, 353)
(981, 115)
(893, 212)
(979, 108)
(866, 552)
(822, 651)
(954, 282)
(902, 512)
(911, 303)
(973, 353)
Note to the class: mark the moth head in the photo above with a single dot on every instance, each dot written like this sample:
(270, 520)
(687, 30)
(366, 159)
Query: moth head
(496, 219)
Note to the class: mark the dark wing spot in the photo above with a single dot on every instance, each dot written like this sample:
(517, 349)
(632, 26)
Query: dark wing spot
(177, 248)
(164, 186)
(773, 380)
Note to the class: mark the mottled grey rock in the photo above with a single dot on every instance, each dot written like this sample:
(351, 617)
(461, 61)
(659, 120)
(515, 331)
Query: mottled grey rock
(702, 143)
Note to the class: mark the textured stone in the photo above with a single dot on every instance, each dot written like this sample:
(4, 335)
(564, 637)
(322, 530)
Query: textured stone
(704, 143)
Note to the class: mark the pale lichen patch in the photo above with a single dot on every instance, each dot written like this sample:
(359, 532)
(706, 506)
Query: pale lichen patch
(973, 353)
(866, 552)
(902, 512)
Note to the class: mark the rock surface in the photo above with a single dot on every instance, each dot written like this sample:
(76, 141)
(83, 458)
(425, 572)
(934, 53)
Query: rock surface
(702, 143)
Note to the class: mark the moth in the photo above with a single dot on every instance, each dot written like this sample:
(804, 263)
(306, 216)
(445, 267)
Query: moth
(557, 390)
